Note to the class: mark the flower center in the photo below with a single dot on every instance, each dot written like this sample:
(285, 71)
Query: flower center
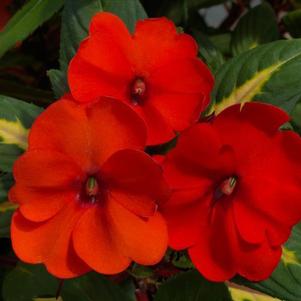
(226, 187)
(91, 192)
(92, 187)
(138, 91)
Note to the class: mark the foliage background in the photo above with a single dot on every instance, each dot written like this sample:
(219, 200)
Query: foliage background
(254, 50)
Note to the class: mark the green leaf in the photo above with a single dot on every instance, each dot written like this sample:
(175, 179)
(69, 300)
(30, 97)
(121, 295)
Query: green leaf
(6, 182)
(141, 272)
(28, 282)
(16, 118)
(130, 11)
(196, 4)
(191, 286)
(257, 26)
(181, 260)
(48, 299)
(14, 89)
(93, 287)
(285, 282)
(58, 81)
(32, 15)
(6, 208)
(209, 53)
(5, 221)
(238, 294)
(222, 42)
(75, 23)
(296, 116)
(258, 75)
(128, 287)
(292, 21)
(32, 282)
(76, 18)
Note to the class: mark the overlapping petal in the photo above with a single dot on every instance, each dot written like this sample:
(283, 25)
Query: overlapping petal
(96, 244)
(142, 240)
(87, 133)
(215, 254)
(45, 182)
(135, 182)
(185, 220)
(49, 242)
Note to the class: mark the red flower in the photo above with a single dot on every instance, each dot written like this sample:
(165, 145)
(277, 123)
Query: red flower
(88, 194)
(155, 70)
(236, 191)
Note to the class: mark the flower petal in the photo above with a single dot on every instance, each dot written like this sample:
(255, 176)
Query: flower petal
(186, 212)
(39, 205)
(217, 261)
(114, 126)
(271, 180)
(179, 110)
(183, 76)
(110, 37)
(201, 257)
(258, 113)
(45, 183)
(257, 263)
(250, 231)
(254, 113)
(143, 240)
(91, 75)
(82, 132)
(89, 83)
(45, 169)
(135, 181)
(279, 207)
(63, 128)
(158, 129)
(198, 155)
(249, 259)
(150, 53)
(95, 243)
(49, 242)
(265, 227)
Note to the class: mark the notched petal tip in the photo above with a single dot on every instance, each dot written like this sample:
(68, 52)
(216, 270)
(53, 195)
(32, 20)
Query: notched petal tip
(134, 126)
(265, 117)
(107, 21)
(148, 25)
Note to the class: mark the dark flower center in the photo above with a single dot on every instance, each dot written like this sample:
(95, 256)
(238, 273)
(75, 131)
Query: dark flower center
(92, 187)
(225, 188)
(138, 91)
(91, 192)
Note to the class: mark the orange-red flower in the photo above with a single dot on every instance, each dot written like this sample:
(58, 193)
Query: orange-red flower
(155, 70)
(88, 194)
(236, 191)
